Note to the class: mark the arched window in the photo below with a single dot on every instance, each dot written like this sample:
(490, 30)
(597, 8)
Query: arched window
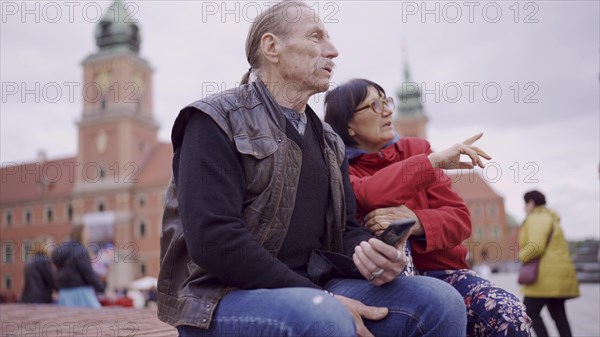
(142, 200)
(8, 217)
(28, 215)
(105, 25)
(8, 252)
(70, 212)
(49, 214)
(142, 229)
(8, 282)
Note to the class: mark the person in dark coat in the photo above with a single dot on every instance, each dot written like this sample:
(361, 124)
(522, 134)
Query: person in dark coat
(75, 278)
(39, 277)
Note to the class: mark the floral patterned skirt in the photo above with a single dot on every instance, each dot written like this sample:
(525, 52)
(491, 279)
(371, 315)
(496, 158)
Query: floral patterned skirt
(409, 269)
(491, 311)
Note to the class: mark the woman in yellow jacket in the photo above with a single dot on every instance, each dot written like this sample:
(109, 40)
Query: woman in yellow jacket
(557, 280)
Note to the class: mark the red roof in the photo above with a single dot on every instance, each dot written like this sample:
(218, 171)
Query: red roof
(31, 181)
(156, 170)
(56, 178)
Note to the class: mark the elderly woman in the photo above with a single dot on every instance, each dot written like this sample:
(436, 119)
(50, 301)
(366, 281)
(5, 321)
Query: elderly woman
(402, 178)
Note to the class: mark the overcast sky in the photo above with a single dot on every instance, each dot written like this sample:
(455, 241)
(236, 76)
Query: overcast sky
(526, 74)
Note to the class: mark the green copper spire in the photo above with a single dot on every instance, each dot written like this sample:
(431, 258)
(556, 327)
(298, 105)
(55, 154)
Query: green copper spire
(118, 30)
(409, 94)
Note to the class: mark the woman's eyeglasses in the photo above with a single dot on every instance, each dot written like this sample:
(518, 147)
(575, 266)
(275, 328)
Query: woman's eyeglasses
(378, 105)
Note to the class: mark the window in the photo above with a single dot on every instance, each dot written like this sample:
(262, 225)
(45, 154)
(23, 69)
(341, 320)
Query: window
(142, 200)
(27, 250)
(70, 212)
(496, 232)
(49, 214)
(105, 26)
(101, 205)
(492, 210)
(27, 215)
(142, 229)
(479, 234)
(135, 30)
(8, 252)
(8, 217)
(477, 210)
(7, 282)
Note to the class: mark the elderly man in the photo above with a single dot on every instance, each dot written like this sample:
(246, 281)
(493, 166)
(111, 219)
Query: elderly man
(260, 193)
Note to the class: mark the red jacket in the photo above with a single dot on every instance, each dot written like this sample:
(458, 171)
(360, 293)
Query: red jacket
(401, 174)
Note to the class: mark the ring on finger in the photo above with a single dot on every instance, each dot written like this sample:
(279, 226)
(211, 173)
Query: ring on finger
(377, 273)
(398, 255)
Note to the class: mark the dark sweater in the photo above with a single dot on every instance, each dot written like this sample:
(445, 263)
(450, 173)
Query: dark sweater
(308, 222)
(210, 189)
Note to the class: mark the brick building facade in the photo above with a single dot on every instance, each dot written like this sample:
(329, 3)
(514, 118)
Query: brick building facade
(114, 184)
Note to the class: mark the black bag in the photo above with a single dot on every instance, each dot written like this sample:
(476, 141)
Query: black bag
(324, 266)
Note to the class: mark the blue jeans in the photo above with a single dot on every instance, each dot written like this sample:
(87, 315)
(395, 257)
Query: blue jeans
(419, 306)
(84, 296)
(277, 312)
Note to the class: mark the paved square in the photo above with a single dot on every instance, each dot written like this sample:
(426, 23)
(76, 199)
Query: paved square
(583, 312)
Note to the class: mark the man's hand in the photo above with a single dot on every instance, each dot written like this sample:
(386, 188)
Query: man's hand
(450, 158)
(379, 262)
(381, 218)
(358, 310)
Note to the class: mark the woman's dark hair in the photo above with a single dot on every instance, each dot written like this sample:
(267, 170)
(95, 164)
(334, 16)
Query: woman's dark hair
(341, 102)
(538, 198)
